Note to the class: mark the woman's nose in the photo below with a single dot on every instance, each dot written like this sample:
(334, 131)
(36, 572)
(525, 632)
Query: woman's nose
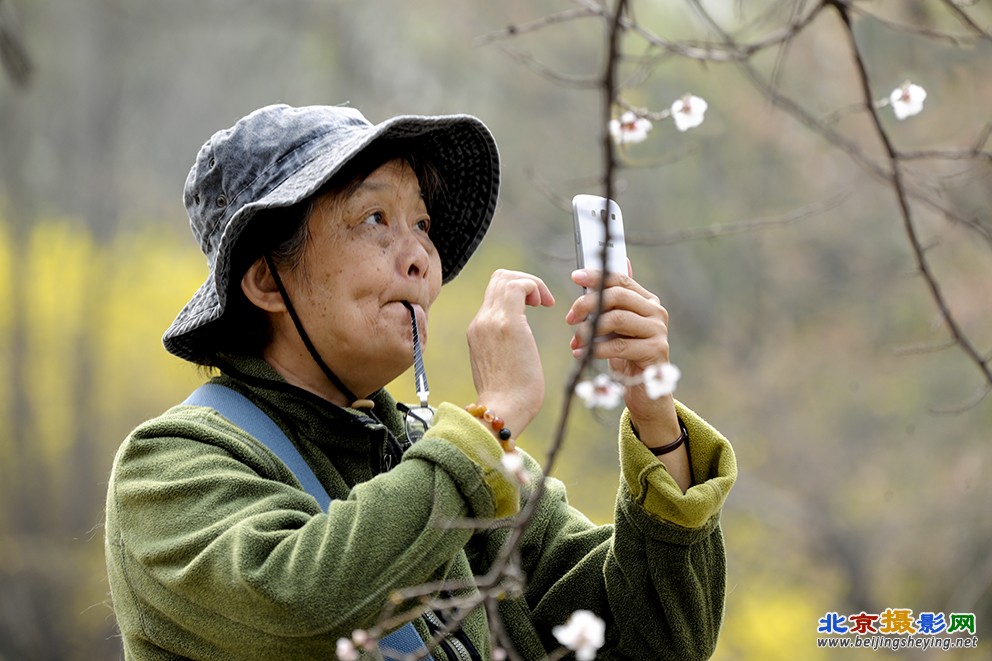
(414, 255)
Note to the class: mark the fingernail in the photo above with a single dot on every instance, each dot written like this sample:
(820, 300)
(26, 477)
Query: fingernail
(580, 276)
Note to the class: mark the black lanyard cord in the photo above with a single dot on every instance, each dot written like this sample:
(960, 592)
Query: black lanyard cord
(331, 376)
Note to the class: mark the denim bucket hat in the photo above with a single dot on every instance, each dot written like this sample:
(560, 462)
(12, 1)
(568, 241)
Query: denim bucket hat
(280, 155)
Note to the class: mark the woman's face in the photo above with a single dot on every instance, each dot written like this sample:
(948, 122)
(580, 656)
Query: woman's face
(369, 249)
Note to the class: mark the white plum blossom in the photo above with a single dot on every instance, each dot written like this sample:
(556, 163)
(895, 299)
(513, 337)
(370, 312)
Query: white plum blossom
(660, 380)
(602, 392)
(513, 465)
(584, 634)
(688, 112)
(345, 650)
(629, 128)
(907, 100)
(362, 639)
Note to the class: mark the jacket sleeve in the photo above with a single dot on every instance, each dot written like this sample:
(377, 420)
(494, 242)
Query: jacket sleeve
(657, 576)
(205, 528)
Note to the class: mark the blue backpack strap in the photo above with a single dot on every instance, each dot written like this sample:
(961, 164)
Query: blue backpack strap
(245, 414)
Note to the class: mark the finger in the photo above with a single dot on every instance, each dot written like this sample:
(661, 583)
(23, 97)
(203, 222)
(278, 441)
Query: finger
(616, 298)
(623, 323)
(516, 284)
(638, 351)
(542, 296)
(590, 279)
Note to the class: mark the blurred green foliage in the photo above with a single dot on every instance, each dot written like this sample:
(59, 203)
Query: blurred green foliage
(854, 495)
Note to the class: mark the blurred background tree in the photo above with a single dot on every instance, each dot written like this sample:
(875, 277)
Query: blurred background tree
(855, 493)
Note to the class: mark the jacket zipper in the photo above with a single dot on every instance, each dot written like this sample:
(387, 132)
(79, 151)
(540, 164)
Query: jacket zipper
(461, 636)
(453, 648)
(456, 645)
(391, 453)
(434, 625)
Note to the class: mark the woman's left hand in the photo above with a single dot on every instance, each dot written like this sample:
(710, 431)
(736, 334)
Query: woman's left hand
(632, 334)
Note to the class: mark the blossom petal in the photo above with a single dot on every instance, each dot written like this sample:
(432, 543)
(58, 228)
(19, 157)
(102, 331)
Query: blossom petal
(907, 100)
(629, 128)
(513, 465)
(660, 380)
(688, 112)
(345, 650)
(584, 634)
(602, 392)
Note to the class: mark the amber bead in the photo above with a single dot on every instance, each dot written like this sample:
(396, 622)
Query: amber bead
(476, 409)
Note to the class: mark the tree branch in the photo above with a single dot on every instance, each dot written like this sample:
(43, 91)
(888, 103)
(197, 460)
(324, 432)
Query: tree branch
(904, 209)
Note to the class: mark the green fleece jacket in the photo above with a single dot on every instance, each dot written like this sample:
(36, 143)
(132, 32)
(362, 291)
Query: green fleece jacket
(214, 552)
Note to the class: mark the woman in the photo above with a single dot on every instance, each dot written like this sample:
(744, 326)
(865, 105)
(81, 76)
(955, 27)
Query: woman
(324, 234)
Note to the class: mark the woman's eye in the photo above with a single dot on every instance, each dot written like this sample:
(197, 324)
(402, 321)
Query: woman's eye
(424, 225)
(375, 218)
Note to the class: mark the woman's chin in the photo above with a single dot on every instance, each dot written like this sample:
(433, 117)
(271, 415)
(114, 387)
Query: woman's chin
(392, 370)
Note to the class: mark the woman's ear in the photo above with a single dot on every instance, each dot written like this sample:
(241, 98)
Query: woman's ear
(260, 287)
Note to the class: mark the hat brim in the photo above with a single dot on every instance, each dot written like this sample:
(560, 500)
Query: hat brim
(460, 147)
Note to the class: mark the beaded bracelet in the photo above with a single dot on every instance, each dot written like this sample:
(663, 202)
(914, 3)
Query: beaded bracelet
(497, 423)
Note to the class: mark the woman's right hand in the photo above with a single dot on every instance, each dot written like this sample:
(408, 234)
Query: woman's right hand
(506, 366)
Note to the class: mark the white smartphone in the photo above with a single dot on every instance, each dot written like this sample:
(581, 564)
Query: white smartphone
(592, 214)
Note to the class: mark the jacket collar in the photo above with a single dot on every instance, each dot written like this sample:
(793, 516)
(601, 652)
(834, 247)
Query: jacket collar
(338, 432)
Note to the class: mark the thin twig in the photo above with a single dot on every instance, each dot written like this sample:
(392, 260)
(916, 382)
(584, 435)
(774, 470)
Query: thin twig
(945, 154)
(711, 52)
(975, 153)
(13, 53)
(501, 637)
(565, 80)
(983, 391)
(517, 29)
(933, 35)
(741, 227)
(845, 144)
(904, 209)
(921, 348)
(962, 16)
